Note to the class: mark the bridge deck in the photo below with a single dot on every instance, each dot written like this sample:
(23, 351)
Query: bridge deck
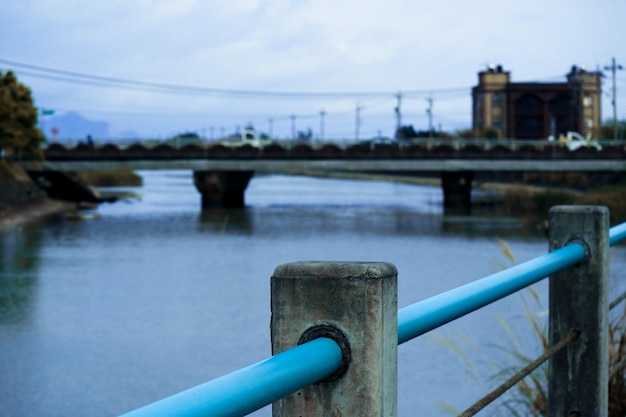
(331, 157)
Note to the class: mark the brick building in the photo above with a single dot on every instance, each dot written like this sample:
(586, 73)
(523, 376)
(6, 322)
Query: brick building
(532, 110)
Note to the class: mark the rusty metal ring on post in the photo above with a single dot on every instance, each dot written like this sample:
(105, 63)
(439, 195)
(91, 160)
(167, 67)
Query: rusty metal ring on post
(581, 243)
(330, 332)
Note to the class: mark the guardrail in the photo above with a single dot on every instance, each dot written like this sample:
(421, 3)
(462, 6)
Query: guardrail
(335, 330)
(426, 143)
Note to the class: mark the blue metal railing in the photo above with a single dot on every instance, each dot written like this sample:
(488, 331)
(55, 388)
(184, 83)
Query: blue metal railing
(419, 318)
(248, 389)
(617, 234)
(251, 388)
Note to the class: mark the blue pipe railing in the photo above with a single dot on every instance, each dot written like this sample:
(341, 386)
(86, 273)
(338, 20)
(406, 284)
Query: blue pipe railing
(421, 317)
(248, 389)
(251, 388)
(617, 234)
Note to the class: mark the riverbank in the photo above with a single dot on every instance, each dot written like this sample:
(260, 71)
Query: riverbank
(21, 200)
(525, 199)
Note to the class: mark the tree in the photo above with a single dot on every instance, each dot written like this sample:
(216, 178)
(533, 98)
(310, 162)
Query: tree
(406, 132)
(608, 130)
(409, 132)
(305, 136)
(18, 119)
(490, 134)
(466, 134)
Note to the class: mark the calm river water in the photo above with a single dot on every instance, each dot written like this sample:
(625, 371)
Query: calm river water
(101, 316)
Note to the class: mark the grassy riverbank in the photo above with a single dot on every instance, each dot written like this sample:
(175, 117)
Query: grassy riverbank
(537, 201)
(524, 199)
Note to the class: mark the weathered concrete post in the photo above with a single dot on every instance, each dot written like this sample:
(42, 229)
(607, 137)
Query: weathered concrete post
(578, 377)
(355, 304)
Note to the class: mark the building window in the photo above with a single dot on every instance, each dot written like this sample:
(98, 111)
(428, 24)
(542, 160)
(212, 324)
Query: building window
(529, 103)
(588, 122)
(530, 127)
(587, 101)
(496, 122)
(561, 103)
(496, 99)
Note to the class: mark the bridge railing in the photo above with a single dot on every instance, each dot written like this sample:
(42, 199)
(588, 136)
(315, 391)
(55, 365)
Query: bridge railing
(343, 143)
(335, 331)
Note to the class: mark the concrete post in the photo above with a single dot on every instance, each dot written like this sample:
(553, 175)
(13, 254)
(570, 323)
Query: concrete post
(578, 376)
(355, 304)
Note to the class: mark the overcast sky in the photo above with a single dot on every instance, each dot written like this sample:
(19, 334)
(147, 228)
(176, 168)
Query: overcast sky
(221, 49)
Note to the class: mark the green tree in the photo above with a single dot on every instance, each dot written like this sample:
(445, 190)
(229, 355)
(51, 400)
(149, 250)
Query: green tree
(490, 134)
(305, 136)
(608, 130)
(406, 132)
(466, 134)
(18, 119)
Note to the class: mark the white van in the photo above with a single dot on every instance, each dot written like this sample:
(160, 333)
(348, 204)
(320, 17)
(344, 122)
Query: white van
(248, 136)
(574, 140)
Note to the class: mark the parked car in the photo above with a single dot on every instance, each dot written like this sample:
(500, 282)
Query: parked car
(574, 140)
(248, 136)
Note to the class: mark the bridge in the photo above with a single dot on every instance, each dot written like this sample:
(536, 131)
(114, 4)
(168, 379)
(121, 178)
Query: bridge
(222, 171)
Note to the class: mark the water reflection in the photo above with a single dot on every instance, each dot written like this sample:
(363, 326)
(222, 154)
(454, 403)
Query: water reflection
(155, 296)
(226, 220)
(361, 220)
(19, 262)
(493, 226)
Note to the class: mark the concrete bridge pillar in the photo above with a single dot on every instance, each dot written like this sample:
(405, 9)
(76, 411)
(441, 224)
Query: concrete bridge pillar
(222, 188)
(457, 189)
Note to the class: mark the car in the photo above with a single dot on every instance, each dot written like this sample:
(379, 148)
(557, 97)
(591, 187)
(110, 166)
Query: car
(248, 136)
(574, 141)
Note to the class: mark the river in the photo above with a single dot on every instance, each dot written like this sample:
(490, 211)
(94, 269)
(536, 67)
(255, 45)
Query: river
(103, 315)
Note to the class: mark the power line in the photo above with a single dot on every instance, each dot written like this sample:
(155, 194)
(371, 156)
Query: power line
(365, 99)
(97, 80)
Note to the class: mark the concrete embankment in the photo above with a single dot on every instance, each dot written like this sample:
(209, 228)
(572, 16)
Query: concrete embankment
(21, 200)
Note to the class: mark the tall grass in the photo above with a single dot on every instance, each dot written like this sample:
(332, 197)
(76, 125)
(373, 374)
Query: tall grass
(530, 202)
(530, 396)
(536, 202)
(612, 197)
(617, 365)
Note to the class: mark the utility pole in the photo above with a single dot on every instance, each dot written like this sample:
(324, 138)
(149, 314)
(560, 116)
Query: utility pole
(357, 125)
(398, 111)
(293, 126)
(429, 111)
(322, 114)
(614, 68)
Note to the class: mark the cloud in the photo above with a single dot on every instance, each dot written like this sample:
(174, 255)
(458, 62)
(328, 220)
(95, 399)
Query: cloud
(314, 45)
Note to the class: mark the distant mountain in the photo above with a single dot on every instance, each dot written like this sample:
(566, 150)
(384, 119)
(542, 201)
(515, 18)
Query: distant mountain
(127, 134)
(73, 126)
